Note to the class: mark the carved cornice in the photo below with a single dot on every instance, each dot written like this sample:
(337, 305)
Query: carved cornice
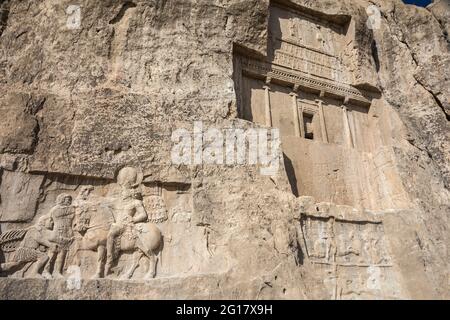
(293, 77)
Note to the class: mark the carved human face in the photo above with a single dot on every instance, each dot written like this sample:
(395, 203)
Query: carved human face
(127, 177)
(67, 200)
(64, 200)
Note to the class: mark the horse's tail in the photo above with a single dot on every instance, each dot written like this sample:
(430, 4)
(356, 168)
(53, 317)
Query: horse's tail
(149, 253)
(160, 250)
(158, 255)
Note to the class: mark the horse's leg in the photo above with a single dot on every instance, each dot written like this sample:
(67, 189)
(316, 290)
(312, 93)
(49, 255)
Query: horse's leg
(75, 255)
(151, 271)
(101, 251)
(137, 255)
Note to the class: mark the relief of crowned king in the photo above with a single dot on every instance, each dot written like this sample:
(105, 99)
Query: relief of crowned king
(109, 225)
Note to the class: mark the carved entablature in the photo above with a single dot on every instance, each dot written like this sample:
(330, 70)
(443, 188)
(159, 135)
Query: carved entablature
(291, 78)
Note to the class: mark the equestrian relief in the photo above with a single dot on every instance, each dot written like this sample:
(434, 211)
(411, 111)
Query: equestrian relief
(115, 226)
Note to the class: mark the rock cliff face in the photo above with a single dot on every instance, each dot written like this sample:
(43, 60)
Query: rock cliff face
(97, 93)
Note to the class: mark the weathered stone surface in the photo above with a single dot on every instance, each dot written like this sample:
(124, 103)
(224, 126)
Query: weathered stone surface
(89, 187)
(19, 185)
(19, 125)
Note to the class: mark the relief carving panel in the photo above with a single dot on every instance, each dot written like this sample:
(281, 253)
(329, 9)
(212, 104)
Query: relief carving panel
(96, 228)
(351, 254)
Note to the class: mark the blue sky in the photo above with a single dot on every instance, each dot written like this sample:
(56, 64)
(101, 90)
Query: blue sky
(422, 3)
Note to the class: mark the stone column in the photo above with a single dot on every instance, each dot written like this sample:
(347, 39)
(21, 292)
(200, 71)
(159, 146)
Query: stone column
(295, 112)
(239, 86)
(323, 128)
(347, 129)
(302, 122)
(268, 115)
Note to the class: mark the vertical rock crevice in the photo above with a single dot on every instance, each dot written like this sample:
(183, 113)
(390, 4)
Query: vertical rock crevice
(4, 14)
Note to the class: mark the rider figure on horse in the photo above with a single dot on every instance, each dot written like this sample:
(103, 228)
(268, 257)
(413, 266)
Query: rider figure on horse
(128, 211)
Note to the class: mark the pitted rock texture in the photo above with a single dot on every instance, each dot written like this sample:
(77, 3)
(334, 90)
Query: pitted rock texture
(358, 209)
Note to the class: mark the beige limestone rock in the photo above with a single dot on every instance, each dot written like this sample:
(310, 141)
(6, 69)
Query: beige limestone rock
(358, 208)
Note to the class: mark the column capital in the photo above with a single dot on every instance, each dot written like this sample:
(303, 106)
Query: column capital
(346, 100)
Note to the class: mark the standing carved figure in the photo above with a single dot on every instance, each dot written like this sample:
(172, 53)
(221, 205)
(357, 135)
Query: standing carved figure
(62, 215)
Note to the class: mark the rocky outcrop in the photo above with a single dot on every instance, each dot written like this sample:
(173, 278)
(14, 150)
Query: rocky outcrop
(357, 209)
